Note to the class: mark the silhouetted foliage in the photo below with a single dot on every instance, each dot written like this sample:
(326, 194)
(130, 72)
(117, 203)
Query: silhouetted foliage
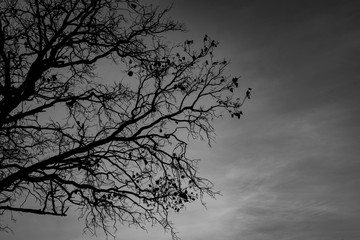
(117, 151)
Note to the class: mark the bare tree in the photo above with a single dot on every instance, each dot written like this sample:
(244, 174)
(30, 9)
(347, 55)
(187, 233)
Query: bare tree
(116, 151)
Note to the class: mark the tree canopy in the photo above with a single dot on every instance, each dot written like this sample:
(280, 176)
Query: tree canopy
(116, 149)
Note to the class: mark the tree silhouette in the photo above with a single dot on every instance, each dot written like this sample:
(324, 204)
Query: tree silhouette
(116, 151)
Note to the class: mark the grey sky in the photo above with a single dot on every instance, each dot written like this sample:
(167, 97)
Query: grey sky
(290, 169)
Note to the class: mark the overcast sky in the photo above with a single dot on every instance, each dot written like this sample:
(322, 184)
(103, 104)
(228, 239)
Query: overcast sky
(290, 169)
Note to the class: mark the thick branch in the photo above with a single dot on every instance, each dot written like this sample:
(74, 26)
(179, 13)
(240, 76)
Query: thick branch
(35, 211)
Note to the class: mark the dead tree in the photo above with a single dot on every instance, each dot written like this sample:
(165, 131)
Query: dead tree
(117, 150)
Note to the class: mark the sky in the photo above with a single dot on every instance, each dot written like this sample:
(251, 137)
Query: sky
(290, 168)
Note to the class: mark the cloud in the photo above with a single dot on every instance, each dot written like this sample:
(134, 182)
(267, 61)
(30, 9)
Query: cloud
(288, 170)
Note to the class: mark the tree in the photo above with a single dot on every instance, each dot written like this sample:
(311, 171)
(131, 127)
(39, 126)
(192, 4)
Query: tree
(116, 151)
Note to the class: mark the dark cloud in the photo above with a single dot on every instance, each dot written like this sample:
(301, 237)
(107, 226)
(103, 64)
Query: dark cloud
(289, 169)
